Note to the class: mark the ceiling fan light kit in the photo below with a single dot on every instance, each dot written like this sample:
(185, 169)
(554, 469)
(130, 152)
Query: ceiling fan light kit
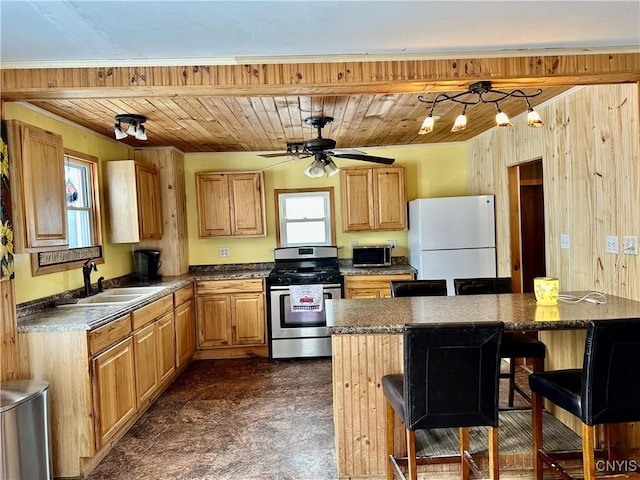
(323, 152)
(485, 94)
(135, 126)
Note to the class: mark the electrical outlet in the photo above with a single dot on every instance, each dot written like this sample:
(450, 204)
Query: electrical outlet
(354, 243)
(223, 251)
(630, 245)
(612, 244)
(393, 243)
(565, 242)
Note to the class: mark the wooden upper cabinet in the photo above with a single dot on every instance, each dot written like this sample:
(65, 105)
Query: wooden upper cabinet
(135, 203)
(230, 204)
(37, 188)
(373, 199)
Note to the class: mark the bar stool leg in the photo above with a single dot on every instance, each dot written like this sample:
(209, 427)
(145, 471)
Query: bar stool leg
(512, 380)
(390, 439)
(536, 434)
(411, 454)
(588, 454)
(464, 446)
(494, 459)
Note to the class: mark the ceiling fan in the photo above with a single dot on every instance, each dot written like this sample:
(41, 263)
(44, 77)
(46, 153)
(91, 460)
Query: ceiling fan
(323, 150)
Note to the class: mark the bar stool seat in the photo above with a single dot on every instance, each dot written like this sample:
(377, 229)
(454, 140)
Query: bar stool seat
(604, 391)
(450, 380)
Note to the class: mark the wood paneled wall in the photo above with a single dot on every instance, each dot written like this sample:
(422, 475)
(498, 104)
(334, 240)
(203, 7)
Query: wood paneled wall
(9, 361)
(590, 150)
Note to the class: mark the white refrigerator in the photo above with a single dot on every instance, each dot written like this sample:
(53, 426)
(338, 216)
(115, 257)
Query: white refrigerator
(452, 237)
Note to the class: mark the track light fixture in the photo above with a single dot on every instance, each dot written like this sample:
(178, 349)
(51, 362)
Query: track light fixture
(321, 165)
(135, 128)
(485, 94)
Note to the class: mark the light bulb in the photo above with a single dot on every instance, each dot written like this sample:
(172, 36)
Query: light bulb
(460, 123)
(502, 120)
(533, 119)
(120, 134)
(427, 125)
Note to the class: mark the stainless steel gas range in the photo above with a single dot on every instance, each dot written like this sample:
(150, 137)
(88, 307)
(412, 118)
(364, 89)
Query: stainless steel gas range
(302, 279)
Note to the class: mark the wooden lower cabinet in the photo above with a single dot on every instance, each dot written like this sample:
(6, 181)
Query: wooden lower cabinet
(145, 343)
(165, 328)
(230, 318)
(371, 286)
(102, 380)
(114, 390)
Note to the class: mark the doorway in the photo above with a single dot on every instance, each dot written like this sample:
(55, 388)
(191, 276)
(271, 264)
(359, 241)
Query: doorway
(526, 213)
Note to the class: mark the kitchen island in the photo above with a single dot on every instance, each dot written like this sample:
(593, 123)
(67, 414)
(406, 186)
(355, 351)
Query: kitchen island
(367, 344)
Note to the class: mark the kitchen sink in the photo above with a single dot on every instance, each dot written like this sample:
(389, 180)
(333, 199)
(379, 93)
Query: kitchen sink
(115, 296)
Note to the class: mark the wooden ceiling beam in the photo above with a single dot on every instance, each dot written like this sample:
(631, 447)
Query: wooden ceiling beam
(340, 78)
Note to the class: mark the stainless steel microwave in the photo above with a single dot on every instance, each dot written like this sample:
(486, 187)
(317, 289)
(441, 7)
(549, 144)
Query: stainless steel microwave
(372, 255)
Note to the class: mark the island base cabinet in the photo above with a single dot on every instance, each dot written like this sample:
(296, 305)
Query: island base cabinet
(358, 363)
(114, 390)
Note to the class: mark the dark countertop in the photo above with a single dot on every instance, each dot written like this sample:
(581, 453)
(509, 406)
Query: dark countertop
(52, 319)
(518, 311)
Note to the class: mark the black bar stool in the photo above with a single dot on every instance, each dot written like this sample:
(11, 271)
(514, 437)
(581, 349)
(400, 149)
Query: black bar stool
(418, 288)
(605, 390)
(514, 344)
(450, 380)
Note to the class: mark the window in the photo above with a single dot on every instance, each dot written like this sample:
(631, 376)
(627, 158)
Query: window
(305, 217)
(83, 218)
(77, 174)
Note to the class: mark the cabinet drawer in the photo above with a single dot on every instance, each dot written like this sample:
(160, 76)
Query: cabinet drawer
(373, 281)
(144, 315)
(109, 334)
(230, 286)
(182, 295)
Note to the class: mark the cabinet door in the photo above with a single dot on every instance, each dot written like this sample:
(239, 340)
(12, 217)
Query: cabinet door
(166, 348)
(371, 286)
(113, 390)
(248, 319)
(357, 199)
(146, 366)
(38, 188)
(247, 204)
(214, 320)
(390, 198)
(212, 194)
(149, 202)
(185, 333)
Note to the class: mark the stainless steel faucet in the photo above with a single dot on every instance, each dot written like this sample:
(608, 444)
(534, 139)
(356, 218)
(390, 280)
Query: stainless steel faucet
(87, 268)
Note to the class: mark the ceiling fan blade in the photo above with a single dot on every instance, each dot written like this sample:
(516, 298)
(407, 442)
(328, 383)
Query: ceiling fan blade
(344, 151)
(291, 155)
(366, 158)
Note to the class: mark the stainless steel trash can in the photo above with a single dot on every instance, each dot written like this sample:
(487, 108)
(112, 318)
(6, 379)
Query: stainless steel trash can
(25, 442)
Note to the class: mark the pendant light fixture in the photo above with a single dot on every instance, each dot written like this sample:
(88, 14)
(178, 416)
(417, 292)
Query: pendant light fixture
(485, 94)
(135, 126)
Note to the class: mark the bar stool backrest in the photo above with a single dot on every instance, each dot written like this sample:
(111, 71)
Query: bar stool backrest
(418, 288)
(480, 286)
(451, 374)
(611, 375)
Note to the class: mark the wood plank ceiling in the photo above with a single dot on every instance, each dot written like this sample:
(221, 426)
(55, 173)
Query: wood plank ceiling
(236, 108)
(261, 123)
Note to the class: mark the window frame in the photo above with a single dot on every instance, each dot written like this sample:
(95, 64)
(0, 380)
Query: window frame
(73, 258)
(288, 191)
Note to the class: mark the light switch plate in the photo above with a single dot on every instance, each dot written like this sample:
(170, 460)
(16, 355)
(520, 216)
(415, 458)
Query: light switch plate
(565, 242)
(630, 245)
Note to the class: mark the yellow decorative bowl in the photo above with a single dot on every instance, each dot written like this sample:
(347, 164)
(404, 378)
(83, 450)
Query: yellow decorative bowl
(546, 290)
